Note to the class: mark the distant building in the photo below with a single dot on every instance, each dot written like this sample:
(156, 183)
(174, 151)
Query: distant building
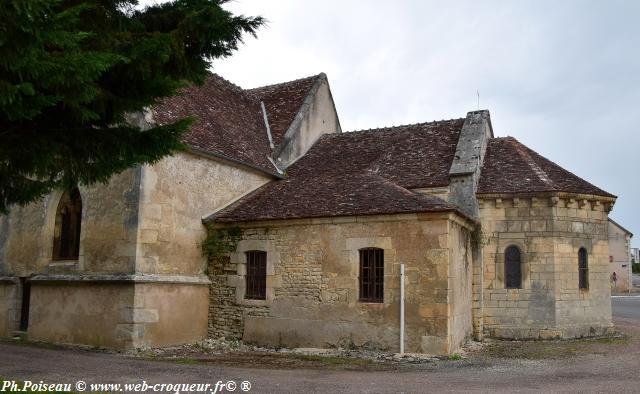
(635, 255)
(619, 257)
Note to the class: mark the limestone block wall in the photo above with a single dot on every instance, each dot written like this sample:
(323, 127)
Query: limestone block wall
(312, 284)
(172, 313)
(317, 116)
(460, 284)
(78, 313)
(549, 230)
(117, 314)
(176, 194)
(107, 237)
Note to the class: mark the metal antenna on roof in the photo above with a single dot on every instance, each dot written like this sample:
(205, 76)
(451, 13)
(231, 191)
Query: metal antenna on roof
(478, 93)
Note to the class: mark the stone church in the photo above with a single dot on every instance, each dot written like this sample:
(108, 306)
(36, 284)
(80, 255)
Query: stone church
(495, 239)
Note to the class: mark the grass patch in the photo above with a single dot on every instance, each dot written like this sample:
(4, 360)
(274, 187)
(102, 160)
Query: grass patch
(333, 360)
(455, 357)
(556, 349)
(185, 361)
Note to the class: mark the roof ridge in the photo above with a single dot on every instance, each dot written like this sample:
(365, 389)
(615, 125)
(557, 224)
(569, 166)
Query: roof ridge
(433, 122)
(252, 90)
(542, 175)
(227, 81)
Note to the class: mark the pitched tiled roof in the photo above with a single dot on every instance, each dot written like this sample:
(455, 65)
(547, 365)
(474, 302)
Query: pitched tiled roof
(282, 102)
(228, 121)
(511, 167)
(359, 173)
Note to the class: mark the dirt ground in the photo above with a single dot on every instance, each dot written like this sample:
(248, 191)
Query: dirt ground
(605, 365)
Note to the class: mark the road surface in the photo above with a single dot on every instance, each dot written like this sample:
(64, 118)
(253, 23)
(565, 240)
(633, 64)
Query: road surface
(608, 372)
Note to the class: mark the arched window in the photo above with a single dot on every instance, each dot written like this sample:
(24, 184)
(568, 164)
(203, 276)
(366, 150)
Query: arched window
(512, 268)
(371, 279)
(583, 269)
(66, 242)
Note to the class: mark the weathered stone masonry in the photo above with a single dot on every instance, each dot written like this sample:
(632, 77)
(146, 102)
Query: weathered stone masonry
(548, 230)
(312, 284)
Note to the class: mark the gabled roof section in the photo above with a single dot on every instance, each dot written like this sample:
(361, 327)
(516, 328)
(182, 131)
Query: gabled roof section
(621, 228)
(228, 122)
(511, 167)
(359, 173)
(283, 101)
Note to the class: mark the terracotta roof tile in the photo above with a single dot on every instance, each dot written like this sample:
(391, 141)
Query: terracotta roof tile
(228, 121)
(359, 173)
(511, 167)
(283, 101)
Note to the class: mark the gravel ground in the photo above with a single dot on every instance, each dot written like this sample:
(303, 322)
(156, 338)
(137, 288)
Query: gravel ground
(607, 365)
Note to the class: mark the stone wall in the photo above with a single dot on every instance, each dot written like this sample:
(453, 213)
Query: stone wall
(549, 230)
(10, 304)
(107, 238)
(139, 231)
(170, 313)
(226, 314)
(117, 313)
(317, 116)
(312, 284)
(78, 313)
(176, 194)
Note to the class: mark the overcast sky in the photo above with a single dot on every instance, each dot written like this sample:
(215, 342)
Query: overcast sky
(563, 77)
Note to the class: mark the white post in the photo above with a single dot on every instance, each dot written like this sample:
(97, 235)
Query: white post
(401, 308)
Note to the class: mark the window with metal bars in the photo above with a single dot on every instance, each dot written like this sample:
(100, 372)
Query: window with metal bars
(256, 275)
(66, 241)
(512, 268)
(371, 275)
(583, 269)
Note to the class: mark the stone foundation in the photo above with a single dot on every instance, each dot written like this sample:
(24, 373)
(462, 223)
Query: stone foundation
(117, 313)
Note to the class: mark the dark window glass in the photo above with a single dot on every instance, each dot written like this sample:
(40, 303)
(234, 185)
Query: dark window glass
(66, 242)
(371, 275)
(256, 275)
(583, 269)
(512, 268)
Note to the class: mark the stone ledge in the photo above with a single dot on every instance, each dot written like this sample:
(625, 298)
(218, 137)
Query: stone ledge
(9, 279)
(124, 278)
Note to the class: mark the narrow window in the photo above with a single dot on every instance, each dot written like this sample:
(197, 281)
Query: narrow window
(256, 275)
(583, 269)
(66, 242)
(371, 275)
(512, 268)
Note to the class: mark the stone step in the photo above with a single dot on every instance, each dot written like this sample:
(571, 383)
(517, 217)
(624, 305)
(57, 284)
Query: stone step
(19, 335)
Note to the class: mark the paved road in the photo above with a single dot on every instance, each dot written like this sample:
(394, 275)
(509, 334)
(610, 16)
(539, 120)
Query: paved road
(627, 306)
(590, 373)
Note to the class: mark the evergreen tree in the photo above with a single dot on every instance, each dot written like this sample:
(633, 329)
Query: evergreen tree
(70, 72)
